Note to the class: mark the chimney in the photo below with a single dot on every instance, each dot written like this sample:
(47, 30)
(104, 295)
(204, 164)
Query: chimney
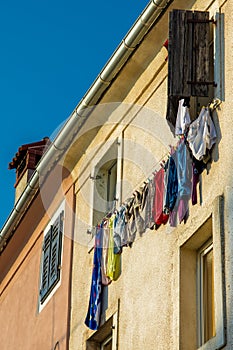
(25, 162)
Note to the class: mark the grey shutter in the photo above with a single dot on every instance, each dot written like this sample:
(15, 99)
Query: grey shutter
(55, 255)
(45, 265)
(188, 53)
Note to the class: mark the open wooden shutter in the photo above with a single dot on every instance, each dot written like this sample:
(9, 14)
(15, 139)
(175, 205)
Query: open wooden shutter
(45, 265)
(188, 53)
(56, 246)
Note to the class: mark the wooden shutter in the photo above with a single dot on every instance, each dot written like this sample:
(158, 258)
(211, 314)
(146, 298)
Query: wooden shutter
(45, 265)
(51, 263)
(188, 53)
(55, 256)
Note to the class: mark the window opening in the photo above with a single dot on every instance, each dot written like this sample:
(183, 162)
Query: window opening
(105, 185)
(202, 298)
(206, 293)
(105, 338)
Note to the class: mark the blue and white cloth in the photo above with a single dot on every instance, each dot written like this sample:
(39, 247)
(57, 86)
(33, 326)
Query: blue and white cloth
(94, 309)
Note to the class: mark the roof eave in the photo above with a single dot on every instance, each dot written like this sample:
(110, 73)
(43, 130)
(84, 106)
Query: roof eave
(148, 17)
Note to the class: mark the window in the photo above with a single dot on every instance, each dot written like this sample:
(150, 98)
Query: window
(106, 183)
(202, 310)
(105, 190)
(205, 290)
(106, 336)
(51, 257)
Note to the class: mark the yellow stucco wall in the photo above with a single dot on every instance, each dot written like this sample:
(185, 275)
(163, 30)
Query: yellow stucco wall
(148, 289)
(149, 296)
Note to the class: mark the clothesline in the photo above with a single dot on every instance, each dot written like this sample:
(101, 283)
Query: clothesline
(151, 206)
(161, 162)
(212, 105)
(149, 177)
(121, 230)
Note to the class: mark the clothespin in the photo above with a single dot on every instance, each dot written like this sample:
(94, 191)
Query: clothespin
(162, 163)
(214, 103)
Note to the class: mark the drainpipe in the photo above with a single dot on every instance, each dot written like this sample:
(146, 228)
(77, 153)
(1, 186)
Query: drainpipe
(128, 45)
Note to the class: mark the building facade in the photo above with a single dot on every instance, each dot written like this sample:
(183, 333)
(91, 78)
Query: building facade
(132, 202)
(36, 261)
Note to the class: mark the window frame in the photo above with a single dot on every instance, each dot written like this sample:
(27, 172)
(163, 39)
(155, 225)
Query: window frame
(55, 281)
(96, 166)
(201, 254)
(105, 342)
(219, 340)
(211, 227)
(107, 331)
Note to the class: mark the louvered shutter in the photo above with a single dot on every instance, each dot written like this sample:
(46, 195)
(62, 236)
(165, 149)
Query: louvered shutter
(188, 53)
(55, 255)
(51, 259)
(45, 265)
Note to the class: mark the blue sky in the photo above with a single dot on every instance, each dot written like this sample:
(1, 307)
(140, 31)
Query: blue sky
(51, 52)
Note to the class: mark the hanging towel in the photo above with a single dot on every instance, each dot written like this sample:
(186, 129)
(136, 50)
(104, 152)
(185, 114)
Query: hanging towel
(159, 216)
(137, 206)
(184, 173)
(114, 260)
(120, 230)
(131, 228)
(146, 208)
(94, 309)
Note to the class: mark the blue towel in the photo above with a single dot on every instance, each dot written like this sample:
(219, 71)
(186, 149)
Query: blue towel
(94, 310)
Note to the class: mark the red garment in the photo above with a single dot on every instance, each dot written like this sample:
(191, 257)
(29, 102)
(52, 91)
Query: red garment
(159, 216)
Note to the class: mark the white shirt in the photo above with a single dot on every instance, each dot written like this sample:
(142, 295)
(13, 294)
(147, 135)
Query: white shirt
(202, 134)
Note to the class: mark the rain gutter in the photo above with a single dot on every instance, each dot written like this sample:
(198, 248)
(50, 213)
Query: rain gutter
(149, 16)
